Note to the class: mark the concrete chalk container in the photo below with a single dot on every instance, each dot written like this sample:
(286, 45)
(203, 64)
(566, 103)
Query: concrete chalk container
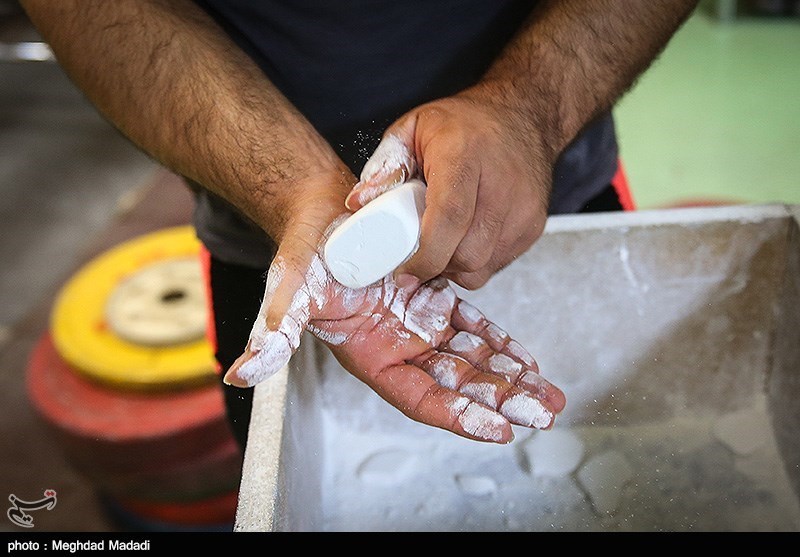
(675, 335)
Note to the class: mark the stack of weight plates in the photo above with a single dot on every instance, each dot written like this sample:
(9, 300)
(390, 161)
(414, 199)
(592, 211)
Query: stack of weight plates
(125, 378)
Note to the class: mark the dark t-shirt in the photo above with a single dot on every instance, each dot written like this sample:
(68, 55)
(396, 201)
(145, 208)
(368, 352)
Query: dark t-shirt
(352, 67)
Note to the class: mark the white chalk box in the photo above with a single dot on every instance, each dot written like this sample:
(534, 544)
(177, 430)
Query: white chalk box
(675, 335)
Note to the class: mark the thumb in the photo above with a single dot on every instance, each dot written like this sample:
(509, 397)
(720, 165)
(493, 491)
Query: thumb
(294, 287)
(392, 163)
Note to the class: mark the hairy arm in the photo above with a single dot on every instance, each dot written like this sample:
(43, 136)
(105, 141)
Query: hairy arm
(573, 59)
(488, 152)
(174, 83)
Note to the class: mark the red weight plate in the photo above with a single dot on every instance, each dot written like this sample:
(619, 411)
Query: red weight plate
(217, 472)
(214, 510)
(123, 431)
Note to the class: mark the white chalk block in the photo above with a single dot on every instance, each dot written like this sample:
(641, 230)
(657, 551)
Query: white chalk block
(377, 238)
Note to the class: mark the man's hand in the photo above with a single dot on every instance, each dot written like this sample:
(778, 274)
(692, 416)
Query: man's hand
(434, 357)
(488, 177)
(488, 153)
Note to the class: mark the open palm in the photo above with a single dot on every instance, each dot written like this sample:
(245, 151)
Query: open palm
(434, 357)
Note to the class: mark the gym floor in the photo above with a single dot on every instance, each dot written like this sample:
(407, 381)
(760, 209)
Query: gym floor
(715, 119)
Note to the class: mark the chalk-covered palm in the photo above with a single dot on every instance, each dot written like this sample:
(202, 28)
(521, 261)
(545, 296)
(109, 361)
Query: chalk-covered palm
(433, 356)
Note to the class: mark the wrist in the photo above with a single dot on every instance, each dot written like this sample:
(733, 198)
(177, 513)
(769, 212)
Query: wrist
(305, 208)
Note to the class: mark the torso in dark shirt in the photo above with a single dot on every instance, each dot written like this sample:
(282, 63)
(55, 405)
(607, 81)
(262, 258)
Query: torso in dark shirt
(352, 67)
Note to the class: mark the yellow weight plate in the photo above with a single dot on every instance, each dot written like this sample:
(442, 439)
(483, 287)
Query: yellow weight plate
(84, 338)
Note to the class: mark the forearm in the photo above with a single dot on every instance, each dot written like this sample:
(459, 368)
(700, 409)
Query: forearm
(173, 82)
(573, 59)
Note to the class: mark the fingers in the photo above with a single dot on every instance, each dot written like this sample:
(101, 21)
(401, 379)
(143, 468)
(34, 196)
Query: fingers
(474, 358)
(495, 239)
(391, 164)
(297, 283)
(490, 349)
(483, 241)
(516, 404)
(452, 177)
(415, 393)
(477, 352)
(467, 317)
